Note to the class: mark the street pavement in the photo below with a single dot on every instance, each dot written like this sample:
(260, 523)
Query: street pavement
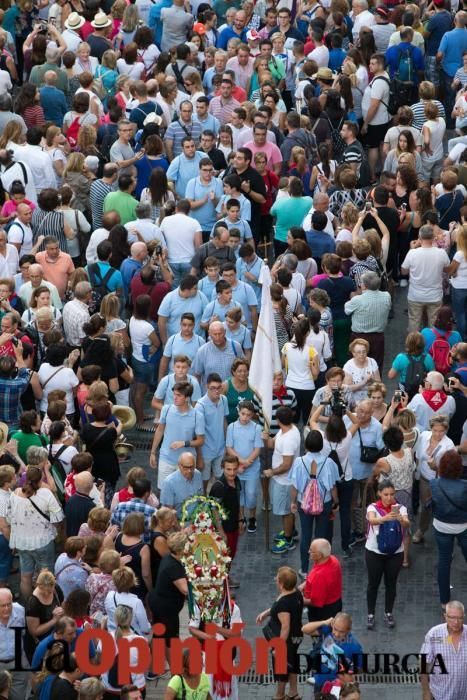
(417, 607)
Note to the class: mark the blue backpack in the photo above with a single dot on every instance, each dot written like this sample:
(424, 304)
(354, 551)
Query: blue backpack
(390, 535)
(405, 70)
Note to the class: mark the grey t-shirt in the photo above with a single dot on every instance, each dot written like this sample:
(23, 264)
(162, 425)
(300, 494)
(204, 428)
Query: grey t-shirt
(175, 25)
(120, 151)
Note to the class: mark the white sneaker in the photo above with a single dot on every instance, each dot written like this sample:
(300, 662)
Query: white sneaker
(310, 680)
(403, 283)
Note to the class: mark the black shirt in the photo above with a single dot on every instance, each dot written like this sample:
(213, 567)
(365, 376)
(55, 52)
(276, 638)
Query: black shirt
(61, 688)
(257, 185)
(208, 249)
(77, 510)
(165, 599)
(229, 498)
(291, 603)
(217, 158)
(98, 45)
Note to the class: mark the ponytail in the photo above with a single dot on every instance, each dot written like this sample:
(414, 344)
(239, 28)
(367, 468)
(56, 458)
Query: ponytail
(33, 481)
(314, 317)
(301, 330)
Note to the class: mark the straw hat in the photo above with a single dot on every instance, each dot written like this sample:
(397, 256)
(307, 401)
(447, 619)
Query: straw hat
(101, 21)
(74, 21)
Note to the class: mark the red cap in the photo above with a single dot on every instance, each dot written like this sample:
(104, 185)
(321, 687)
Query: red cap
(382, 12)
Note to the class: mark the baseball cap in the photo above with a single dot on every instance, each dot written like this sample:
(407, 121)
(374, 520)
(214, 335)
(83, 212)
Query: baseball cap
(199, 28)
(382, 12)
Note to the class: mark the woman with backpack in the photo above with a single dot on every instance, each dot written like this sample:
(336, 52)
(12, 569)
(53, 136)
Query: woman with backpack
(313, 479)
(440, 338)
(412, 365)
(384, 549)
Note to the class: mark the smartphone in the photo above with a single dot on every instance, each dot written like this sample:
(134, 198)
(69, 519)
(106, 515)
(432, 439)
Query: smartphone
(451, 382)
(395, 509)
(397, 395)
(404, 206)
(99, 482)
(368, 206)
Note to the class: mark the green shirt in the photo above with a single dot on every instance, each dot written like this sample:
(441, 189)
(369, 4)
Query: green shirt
(27, 440)
(289, 212)
(123, 203)
(201, 693)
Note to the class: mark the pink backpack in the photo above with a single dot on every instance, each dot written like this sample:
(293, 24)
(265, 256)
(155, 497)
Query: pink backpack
(440, 350)
(312, 501)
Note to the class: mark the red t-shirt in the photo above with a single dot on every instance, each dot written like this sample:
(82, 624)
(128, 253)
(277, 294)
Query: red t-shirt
(323, 584)
(271, 182)
(156, 291)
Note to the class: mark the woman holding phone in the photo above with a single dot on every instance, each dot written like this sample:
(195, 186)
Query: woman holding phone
(384, 549)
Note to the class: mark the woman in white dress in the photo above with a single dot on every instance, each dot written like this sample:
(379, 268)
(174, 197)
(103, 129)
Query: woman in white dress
(361, 370)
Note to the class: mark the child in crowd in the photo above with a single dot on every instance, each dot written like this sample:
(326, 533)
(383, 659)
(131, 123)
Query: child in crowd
(235, 330)
(244, 442)
(216, 310)
(164, 392)
(207, 284)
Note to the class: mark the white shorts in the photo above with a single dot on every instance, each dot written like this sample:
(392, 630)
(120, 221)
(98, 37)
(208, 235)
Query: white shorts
(164, 470)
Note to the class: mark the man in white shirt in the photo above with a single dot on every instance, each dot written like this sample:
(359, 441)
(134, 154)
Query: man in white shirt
(425, 265)
(20, 232)
(144, 226)
(361, 17)
(11, 170)
(8, 257)
(109, 220)
(376, 118)
(38, 160)
(12, 615)
(36, 279)
(286, 446)
(432, 401)
(70, 36)
(183, 236)
(320, 53)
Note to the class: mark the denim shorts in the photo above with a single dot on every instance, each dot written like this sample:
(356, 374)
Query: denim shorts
(37, 559)
(249, 493)
(5, 558)
(280, 498)
(143, 371)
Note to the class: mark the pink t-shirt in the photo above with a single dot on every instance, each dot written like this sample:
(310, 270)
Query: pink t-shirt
(316, 279)
(272, 152)
(11, 206)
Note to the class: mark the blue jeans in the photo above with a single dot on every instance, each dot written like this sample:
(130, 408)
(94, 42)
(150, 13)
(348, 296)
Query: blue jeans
(179, 270)
(322, 527)
(445, 545)
(5, 558)
(459, 307)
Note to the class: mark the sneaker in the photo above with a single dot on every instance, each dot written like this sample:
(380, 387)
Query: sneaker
(283, 546)
(251, 525)
(346, 553)
(281, 535)
(302, 574)
(263, 507)
(418, 537)
(389, 620)
(310, 680)
(370, 622)
(403, 283)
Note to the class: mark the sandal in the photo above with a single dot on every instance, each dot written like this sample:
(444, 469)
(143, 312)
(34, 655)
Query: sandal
(405, 564)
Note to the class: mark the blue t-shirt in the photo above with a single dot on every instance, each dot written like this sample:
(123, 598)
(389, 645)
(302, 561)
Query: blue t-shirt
(164, 391)
(244, 439)
(452, 337)
(230, 33)
(214, 308)
(214, 415)
(243, 294)
(173, 306)
(437, 26)
(205, 214)
(452, 46)
(177, 345)
(320, 243)
(115, 281)
(207, 287)
(253, 268)
(242, 335)
(42, 647)
(179, 426)
(330, 651)
(393, 57)
(401, 364)
(336, 59)
(327, 473)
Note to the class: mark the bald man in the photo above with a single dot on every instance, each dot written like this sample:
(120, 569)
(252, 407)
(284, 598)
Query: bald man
(12, 615)
(133, 264)
(216, 356)
(322, 590)
(78, 506)
(184, 483)
(36, 279)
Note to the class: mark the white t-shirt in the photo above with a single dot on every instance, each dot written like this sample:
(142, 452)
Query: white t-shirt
(425, 266)
(139, 333)
(66, 456)
(64, 379)
(456, 152)
(97, 236)
(133, 70)
(443, 446)
(320, 55)
(285, 445)
(298, 366)
(342, 448)
(373, 530)
(377, 89)
(320, 342)
(21, 233)
(460, 280)
(179, 232)
(359, 374)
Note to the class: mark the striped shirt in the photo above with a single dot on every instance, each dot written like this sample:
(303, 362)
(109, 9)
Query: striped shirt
(369, 311)
(419, 117)
(176, 131)
(223, 109)
(362, 266)
(453, 684)
(49, 223)
(288, 400)
(98, 192)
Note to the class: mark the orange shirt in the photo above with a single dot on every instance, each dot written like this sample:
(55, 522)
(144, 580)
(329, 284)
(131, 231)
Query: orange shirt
(56, 271)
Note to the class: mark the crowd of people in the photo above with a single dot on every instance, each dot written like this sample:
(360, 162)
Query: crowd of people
(154, 157)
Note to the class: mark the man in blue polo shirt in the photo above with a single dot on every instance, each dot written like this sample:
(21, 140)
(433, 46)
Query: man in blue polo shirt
(214, 408)
(318, 237)
(451, 49)
(66, 632)
(180, 430)
(243, 294)
(185, 299)
(184, 483)
(133, 264)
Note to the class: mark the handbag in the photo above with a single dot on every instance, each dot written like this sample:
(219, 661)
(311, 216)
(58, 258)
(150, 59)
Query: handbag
(269, 631)
(368, 455)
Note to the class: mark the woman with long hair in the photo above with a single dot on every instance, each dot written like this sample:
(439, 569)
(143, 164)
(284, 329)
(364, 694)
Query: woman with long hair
(130, 541)
(58, 149)
(355, 56)
(96, 350)
(343, 85)
(298, 167)
(301, 364)
(124, 629)
(107, 75)
(366, 44)
(157, 193)
(118, 237)
(225, 141)
(78, 223)
(28, 106)
(145, 343)
(283, 316)
(432, 154)
(148, 52)
(128, 27)
(12, 136)
(405, 144)
(319, 340)
(78, 177)
(349, 70)
(322, 174)
(123, 94)
(194, 86)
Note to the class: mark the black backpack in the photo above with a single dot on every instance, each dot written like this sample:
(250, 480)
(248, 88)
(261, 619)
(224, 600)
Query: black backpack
(110, 136)
(58, 472)
(338, 143)
(383, 277)
(99, 286)
(415, 375)
(112, 675)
